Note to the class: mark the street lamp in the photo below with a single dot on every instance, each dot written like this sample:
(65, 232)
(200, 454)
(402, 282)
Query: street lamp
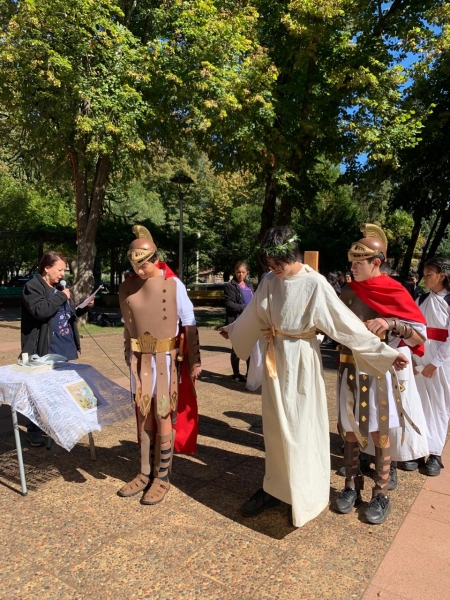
(181, 179)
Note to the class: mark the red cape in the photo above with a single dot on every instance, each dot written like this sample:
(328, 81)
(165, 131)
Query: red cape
(390, 299)
(187, 421)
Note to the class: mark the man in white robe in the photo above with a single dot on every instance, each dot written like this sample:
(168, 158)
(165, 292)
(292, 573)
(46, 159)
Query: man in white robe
(289, 304)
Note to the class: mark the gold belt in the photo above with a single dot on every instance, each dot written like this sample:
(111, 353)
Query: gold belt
(148, 344)
(269, 335)
(347, 358)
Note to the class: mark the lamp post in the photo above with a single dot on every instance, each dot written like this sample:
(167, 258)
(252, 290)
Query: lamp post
(181, 179)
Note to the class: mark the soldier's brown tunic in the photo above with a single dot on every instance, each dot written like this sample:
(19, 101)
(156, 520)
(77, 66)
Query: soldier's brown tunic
(150, 306)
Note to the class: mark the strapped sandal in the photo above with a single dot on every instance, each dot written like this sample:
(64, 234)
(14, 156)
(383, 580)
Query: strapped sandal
(156, 492)
(139, 483)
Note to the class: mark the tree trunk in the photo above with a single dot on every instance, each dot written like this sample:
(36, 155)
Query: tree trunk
(427, 244)
(418, 216)
(285, 212)
(269, 206)
(88, 207)
(440, 232)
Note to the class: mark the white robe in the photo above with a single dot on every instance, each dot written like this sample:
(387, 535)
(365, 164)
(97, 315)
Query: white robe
(294, 405)
(435, 391)
(413, 445)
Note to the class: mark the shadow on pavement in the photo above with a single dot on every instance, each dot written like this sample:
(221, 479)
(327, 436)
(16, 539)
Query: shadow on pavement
(215, 349)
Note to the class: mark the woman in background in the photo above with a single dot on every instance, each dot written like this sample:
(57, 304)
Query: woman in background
(238, 293)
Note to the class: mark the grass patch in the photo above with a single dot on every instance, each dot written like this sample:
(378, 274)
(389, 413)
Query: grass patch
(201, 320)
(92, 329)
(210, 320)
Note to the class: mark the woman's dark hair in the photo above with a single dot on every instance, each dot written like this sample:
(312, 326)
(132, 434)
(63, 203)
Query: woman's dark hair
(279, 246)
(239, 264)
(49, 259)
(440, 265)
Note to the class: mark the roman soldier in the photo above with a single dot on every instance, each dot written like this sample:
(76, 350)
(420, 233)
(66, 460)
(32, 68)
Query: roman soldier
(162, 350)
(372, 408)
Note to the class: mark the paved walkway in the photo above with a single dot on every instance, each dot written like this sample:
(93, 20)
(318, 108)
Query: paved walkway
(73, 537)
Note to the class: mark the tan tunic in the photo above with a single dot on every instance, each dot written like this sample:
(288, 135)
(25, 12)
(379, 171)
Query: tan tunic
(150, 306)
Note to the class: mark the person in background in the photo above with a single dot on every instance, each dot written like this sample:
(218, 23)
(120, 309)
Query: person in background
(238, 293)
(48, 320)
(417, 290)
(432, 370)
(333, 280)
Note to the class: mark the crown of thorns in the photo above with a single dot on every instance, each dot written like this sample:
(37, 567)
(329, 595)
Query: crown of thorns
(281, 249)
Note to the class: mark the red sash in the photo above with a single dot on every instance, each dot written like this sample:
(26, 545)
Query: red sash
(389, 298)
(439, 335)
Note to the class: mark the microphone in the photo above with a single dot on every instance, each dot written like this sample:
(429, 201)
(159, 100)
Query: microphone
(63, 284)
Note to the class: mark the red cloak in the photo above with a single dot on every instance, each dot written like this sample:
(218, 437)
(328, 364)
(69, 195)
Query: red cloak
(390, 299)
(187, 419)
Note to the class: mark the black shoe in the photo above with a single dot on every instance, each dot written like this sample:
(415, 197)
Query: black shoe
(346, 500)
(393, 481)
(238, 378)
(36, 439)
(341, 471)
(433, 465)
(409, 465)
(378, 510)
(258, 503)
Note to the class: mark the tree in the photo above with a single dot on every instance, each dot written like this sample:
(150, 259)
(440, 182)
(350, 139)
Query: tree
(70, 83)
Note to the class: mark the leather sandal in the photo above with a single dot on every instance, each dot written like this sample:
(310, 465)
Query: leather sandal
(156, 492)
(139, 483)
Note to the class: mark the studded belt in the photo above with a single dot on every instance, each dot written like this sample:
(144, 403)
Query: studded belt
(148, 344)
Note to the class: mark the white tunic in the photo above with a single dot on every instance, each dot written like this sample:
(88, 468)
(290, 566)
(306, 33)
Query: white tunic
(413, 445)
(435, 391)
(294, 406)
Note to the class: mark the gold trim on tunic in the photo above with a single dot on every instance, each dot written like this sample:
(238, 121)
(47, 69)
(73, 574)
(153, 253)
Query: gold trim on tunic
(148, 344)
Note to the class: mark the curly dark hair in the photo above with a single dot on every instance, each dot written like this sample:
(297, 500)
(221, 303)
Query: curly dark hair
(280, 245)
(440, 265)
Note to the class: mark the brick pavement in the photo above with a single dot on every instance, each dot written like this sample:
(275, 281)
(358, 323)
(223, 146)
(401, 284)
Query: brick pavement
(73, 537)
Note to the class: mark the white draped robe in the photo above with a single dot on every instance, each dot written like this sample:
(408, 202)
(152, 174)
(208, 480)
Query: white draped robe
(294, 405)
(435, 391)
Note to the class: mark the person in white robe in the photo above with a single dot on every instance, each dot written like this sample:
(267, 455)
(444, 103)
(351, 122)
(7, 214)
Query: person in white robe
(380, 415)
(289, 305)
(433, 369)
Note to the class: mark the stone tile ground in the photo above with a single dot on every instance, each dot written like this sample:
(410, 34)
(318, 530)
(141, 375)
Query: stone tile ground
(72, 537)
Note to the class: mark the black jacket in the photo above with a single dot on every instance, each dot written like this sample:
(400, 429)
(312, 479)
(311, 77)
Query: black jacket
(39, 304)
(234, 301)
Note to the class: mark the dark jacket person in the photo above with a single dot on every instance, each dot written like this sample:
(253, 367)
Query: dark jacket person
(48, 320)
(238, 293)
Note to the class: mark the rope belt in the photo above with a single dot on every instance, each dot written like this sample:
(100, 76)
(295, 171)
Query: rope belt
(437, 334)
(148, 344)
(269, 335)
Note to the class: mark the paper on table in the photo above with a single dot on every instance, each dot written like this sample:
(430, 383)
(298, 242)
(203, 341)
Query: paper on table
(89, 298)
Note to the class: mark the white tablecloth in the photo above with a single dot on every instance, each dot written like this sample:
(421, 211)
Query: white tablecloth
(42, 398)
